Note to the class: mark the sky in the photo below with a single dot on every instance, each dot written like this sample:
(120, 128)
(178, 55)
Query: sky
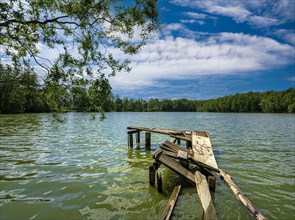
(209, 49)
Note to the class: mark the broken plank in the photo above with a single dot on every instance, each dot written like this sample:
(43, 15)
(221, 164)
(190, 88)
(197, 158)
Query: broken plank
(174, 147)
(240, 196)
(171, 203)
(185, 137)
(202, 149)
(173, 165)
(205, 196)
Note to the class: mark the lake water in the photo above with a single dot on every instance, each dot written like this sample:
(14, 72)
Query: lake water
(83, 169)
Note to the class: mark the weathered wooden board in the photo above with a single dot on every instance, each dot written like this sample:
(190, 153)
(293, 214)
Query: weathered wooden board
(203, 150)
(158, 130)
(171, 203)
(173, 165)
(205, 196)
(240, 196)
(182, 137)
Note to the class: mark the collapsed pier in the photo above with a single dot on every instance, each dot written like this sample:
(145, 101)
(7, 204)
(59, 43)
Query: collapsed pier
(196, 162)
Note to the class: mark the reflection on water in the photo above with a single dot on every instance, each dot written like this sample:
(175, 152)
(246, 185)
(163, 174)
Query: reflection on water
(83, 169)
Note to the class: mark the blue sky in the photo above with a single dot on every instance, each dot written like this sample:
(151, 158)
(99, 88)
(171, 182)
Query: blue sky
(208, 49)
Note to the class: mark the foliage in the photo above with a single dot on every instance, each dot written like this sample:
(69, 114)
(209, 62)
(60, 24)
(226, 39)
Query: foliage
(20, 92)
(84, 32)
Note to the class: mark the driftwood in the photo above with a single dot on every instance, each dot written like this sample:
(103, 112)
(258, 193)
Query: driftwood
(205, 197)
(240, 196)
(171, 203)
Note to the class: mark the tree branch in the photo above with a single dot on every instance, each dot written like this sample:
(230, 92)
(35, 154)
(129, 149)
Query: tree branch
(53, 20)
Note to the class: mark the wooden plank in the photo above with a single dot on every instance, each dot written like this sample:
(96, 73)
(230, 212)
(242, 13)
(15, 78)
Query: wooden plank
(173, 165)
(171, 203)
(132, 131)
(158, 130)
(203, 150)
(205, 196)
(240, 196)
(169, 146)
(174, 147)
(182, 137)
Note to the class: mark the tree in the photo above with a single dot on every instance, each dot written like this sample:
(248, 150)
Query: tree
(85, 32)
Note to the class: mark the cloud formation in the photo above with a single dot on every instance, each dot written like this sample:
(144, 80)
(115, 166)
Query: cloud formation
(262, 13)
(174, 58)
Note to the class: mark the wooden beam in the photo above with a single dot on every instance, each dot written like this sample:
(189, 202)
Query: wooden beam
(173, 165)
(171, 203)
(169, 146)
(132, 131)
(205, 197)
(182, 137)
(157, 130)
(240, 196)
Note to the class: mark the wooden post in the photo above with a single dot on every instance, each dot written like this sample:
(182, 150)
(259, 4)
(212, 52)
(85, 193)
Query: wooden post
(240, 196)
(152, 174)
(205, 197)
(188, 144)
(130, 140)
(212, 183)
(159, 182)
(178, 141)
(147, 139)
(171, 203)
(138, 139)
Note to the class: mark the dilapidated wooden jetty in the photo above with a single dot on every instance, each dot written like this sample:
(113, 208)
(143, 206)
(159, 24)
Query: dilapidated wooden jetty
(196, 162)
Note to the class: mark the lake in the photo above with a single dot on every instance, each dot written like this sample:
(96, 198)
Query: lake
(83, 169)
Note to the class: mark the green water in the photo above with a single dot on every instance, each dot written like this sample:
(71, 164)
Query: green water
(82, 169)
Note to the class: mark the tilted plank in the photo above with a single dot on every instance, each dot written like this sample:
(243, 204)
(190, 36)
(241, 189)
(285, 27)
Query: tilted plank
(240, 196)
(182, 137)
(171, 203)
(174, 147)
(173, 165)
(205, 196)
(203, 150)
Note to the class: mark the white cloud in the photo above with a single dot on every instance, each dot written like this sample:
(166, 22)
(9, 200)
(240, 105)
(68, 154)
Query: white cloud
(195, 17)
(183, 58)
(262, 13)
(287, 35)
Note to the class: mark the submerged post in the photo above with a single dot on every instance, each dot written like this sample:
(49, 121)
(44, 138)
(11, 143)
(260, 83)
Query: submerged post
(159, 182)
(178, 141)
(212, 183)
(147, 139)
(152, 174)
(138, 139)
(188, 144)
(130, 139)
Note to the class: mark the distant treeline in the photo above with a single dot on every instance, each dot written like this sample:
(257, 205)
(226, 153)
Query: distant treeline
(21, 93)
(267, 102)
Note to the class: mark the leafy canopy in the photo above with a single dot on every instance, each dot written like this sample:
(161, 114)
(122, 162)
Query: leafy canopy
(84, 32)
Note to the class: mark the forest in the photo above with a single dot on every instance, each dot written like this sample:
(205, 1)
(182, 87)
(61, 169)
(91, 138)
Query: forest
(22, 93)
